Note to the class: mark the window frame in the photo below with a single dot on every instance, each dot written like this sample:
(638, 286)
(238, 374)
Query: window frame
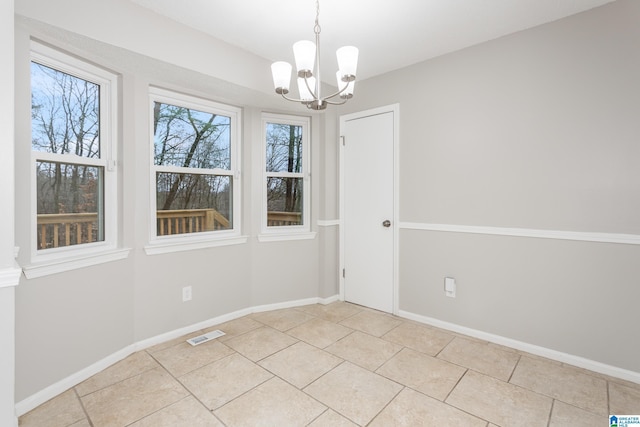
(188, 241)
(287, 232)
(54, 260)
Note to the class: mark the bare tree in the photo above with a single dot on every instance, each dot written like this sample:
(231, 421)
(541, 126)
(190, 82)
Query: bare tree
(284, 154)
(65, 120)
(189, 138)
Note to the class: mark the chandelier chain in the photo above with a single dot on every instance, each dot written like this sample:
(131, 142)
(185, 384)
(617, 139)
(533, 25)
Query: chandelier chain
(316, 28)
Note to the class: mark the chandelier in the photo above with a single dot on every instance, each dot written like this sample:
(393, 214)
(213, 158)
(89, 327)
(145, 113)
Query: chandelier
(307, 57)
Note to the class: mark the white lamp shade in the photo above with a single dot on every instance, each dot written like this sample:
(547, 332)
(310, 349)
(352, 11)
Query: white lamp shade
(347, 60)
(305, 95)
(305, 54)
(348, 92)
(281, 72)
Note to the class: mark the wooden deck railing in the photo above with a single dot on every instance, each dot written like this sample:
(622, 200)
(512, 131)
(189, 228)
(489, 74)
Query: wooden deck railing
(59, 230)
(276, 219)
(190, 221)
(55, 230)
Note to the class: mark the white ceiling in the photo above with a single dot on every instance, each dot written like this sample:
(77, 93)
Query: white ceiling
(390, 34)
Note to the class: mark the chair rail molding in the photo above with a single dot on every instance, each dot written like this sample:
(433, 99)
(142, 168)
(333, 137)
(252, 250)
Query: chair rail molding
(583, 236)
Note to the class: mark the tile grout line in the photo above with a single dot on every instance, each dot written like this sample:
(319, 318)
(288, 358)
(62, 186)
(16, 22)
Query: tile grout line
(454, 387)
(388, 403)
(177, 379)
(553, 404)
(137, 374)
(445, 346)
(609, 397)
(515, 366)
(86, 414)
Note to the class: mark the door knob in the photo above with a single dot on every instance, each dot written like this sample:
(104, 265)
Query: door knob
(386, 223)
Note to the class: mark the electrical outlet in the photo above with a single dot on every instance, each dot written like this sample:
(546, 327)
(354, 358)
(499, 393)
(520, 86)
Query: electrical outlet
(186, 294)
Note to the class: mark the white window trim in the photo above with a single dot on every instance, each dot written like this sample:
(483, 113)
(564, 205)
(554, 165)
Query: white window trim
(289, 232)
(55, 260)
(182, 242)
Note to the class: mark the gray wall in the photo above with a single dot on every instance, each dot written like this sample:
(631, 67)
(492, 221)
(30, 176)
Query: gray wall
(127, 301)
(536, 130)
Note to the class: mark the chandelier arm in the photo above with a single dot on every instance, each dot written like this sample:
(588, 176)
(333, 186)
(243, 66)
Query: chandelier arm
(293, 99)
(313, 92)
(338, 93)
(344, 101)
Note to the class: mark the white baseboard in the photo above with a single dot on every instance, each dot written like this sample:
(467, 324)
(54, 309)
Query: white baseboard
(286, 304)
(176, 333)
(325, 301)
(65, 384)
(569, 359)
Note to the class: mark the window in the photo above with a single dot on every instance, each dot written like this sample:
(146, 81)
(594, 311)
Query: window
(196, 193)
(73, 156)
(286, 176)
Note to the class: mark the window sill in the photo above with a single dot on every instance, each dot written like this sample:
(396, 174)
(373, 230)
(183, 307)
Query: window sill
(160, 247)
(46, 268)
(280, 237)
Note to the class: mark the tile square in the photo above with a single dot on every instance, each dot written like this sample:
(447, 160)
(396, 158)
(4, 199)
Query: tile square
(562, 382)
(372, 322)
(128, 367)
(260, 343)
(186, 412)
(624, 400)
(319, 332)
(331, 418)
(334, 312)
(564, 415)
(184, 357)
(219, 382)
(422, 338)
(300, 364)
(284, 319)
(61, 411)
(499, 402)
(133, 399)
(431, 376)
(479, 356)
(354, 392)
(273, 403)
(364, 350)
(411, 408)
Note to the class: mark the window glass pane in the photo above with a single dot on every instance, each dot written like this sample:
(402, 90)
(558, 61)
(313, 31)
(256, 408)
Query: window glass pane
(284, 201)
(189, 203)
(70, 204)
(65, 112)
(284, 148)
(189, 138)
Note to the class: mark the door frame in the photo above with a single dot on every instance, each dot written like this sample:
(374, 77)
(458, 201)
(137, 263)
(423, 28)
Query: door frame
(395, 109)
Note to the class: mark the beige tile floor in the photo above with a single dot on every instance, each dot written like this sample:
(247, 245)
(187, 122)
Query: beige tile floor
(337, 365)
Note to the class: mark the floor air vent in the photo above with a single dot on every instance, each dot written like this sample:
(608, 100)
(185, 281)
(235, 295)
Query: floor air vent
(206, 337)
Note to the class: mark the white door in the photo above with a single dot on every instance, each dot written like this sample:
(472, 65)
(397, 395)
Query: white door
(367, 184)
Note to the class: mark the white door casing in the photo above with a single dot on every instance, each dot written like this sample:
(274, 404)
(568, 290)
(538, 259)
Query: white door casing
(368, 198)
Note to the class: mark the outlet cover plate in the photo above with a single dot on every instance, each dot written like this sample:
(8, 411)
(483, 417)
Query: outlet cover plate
(450, 287)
